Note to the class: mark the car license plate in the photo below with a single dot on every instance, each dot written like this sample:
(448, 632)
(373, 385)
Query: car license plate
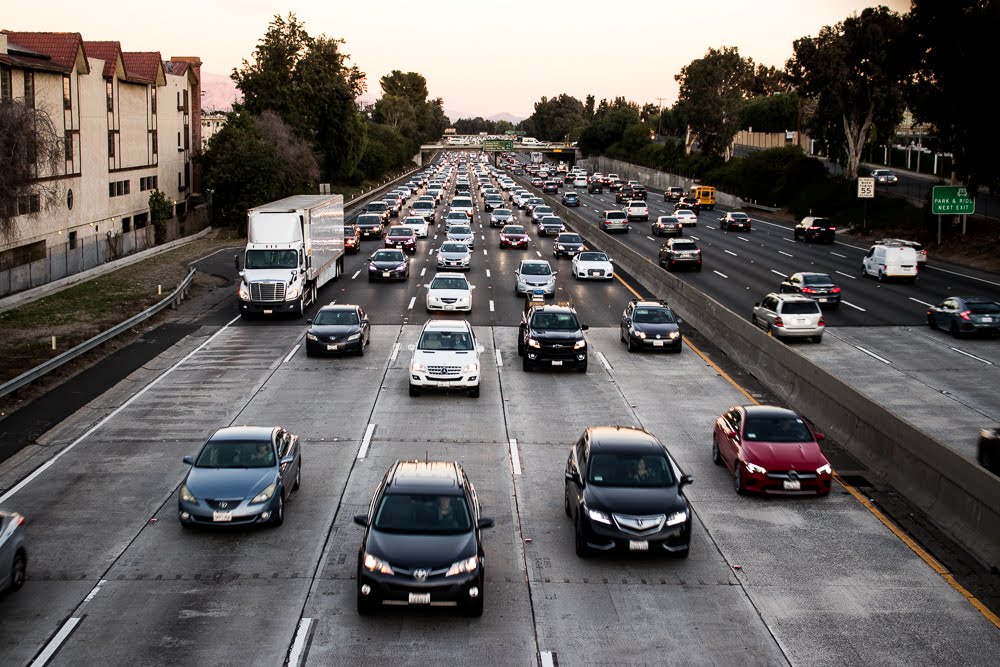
(268, 312)
(557, 363)
(595, 273)
(444, 383)
(793, 485)
(420, 598)
(385, 274)
(987, 319)
(658, 343)
(222, 516)
(332, 347)
(638, 545)
(824, 300)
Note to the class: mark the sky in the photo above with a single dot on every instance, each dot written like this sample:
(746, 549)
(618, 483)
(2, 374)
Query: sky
(484, 58)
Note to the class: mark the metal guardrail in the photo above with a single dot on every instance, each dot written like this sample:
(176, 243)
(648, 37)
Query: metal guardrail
(55, 362)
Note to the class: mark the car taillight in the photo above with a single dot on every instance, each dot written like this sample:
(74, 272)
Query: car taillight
(833, 229)
(822, 322)
(808, 290)
(778, 322)
(965, 314)
(836, 290)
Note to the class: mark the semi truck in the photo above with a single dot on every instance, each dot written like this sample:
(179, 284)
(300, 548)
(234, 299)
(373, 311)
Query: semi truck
(294, 246)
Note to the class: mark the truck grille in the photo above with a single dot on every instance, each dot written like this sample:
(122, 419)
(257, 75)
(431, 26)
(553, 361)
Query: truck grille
(267, 291)
(440, 371)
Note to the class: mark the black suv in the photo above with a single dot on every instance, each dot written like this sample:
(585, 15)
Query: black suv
(815, 229)
(552, 336)
(370, 225)
(630, 192)
(650, 325)
(595, 186)
(623, 490)
(680, 252)
(422, 542)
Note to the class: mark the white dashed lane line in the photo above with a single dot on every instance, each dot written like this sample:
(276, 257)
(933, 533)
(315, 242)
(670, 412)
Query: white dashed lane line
(719, 273)
(731, 253)
(848, 303)
(779, 273)
(846, 275)
(786, 254)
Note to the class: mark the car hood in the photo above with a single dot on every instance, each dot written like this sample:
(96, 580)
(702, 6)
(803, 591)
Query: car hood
(784, 455)
(448, 293)
(444, 357)
(518, 236)
(433, 552)
(655, 329)
(452, 256)
(334, 330)
(268, 275)
(388, 263)
(658, 500)
(561, 334)
(398, 239)
(228, 482)
(570, 244)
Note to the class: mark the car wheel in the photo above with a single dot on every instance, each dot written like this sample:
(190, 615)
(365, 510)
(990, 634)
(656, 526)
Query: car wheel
(370, 279)
(300, 307)
(18, 572)
(716, 456)
(366, 606)
(414, 390)
(738, 479)
(631, 344)
(566, 501)
(474, 392)
(931, 322)
(298, 477)
(361, 349)
(881, 277)
(526, 365)
(621, 334)
(817, 339)
(309, 352)
(278, 517)
(581, 369)
(582, 550)
(955, 333)
(520, 346)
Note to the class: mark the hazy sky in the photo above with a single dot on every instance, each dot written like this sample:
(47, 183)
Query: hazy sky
(482, 57)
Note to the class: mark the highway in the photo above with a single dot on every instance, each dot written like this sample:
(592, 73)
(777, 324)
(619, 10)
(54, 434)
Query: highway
(114, 579)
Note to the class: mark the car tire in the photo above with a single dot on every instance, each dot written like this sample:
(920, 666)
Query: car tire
(474, 392)
(370, 279)
(18, 572)
(582, 550)
(298, 477)
(581, 369)
(931, 322)
(566, 501)
(953, 330)
(520, 345)
(631, 344)
(279, 514)
(881, 277)
(817, 339)
(526, 365)
(738, 480)
(716, 455)
(366, 606)
(361, 349)
(414, 390)
(309, 352)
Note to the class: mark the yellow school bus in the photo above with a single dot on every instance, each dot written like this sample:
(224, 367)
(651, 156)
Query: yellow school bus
(705, 194)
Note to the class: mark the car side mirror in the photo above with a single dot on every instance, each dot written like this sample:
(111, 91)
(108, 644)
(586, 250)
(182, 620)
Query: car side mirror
(189, 460)
(584, 327)
(574, 476)
(680, 321)
(236, 261)
(820, 437)
(361, 519)
(309, 321)
(611, 261)
(685, 480)
(480, 349)
(486, 522)
(756, 304)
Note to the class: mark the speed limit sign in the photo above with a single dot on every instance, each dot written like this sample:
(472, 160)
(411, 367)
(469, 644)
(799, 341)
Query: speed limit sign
(866, 187)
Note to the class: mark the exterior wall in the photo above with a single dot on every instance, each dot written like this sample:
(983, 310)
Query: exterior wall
(211, 123)
(172, 154)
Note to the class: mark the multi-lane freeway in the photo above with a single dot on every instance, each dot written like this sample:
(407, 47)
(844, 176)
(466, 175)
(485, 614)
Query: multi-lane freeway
(114, 579)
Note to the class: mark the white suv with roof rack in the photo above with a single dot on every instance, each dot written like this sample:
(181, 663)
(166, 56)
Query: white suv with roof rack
(446, 356)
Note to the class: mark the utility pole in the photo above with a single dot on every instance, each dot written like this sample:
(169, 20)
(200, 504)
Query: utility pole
(659, 101)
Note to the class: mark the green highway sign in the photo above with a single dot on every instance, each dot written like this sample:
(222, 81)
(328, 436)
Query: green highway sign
(952, 200)
(498, 145)
(512, 133)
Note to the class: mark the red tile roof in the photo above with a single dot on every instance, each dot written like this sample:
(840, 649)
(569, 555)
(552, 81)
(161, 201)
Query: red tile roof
(143, 66)
(109, 52)
(61, 48)
(175, 67)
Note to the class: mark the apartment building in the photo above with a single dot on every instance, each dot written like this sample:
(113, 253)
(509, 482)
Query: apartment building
(125, 119)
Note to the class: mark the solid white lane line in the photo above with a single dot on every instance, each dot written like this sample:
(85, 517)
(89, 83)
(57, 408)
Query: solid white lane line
(515, 458)
(423, 271)
(720, 274)
(492, 309)
(296, 653)
(484, 251)
(499, 359)
(45, 466)
(837, 254)
(731, 253)
(972, 356)
(356, 274)
(786, 254)
(413, 300)
(487, 273)
(789, 240)
(846, 275)
(604, 361)
(964, 275)
(53, 646)
(873, 355)
(292, 353)
(366, 441)
(922, 303)
(779, 273)
(538, 253)
(848, 303)
(547, 659)
(395, 351)
(95, 590)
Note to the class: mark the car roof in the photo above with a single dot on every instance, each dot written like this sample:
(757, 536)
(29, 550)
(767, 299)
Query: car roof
(447, 325)
(616, 438)
(791, 297)
(648, 303)
(425, 476)
(768, 411)
(244, 433)
(339, 306)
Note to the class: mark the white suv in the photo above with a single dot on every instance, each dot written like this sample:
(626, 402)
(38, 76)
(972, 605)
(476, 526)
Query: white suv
(446, 356)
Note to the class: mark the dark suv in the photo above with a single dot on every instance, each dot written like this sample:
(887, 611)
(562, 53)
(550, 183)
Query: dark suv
(680, 252)
(552, 336)
(630, 192)
(369, 226)
(624, 491)
(815, 229)
(422, 544)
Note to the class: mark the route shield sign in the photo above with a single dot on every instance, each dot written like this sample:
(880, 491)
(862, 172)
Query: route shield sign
(498, 145)
(952, 200)
(866, 187)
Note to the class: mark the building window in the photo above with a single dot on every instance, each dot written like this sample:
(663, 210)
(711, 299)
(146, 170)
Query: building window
(109, 90)
(29, 89)
(187, 137)
(67, 94)
(180, 143)
(72, 240)
(125, 225)
(180, 105)
(28, 204)
(6, 90)
(152, 92)
(180, 181)
(185, 100)
(111, 143)
(154, 135)
(140, 220)
(68, 143)
(118, 188)
(69, 199)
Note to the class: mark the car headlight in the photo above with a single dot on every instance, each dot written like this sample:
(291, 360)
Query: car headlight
(580, 344)
(673, 334)
(677, 517)
(470, 368)
(372, 267)
(824, 470)
(265, 495)
(641, 334)
(310, 336)
(354, 336)
(373, 564)
(401, 267)
(292, 293)
(186, 495)
(533, 343)
(756, 469)
(599, 516)
(418, 368)
(244, 292)
(463, 566)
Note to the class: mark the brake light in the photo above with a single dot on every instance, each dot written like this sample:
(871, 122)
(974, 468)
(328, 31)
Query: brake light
(965, 315)
(836, 290)
(822, 322)
(778, 322)
(808, 290)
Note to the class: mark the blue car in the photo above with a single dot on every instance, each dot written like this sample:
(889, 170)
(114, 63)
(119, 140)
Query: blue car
(241, 476)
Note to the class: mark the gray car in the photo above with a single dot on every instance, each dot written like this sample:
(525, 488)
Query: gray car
(462, 233)
(241, 476)
(13, 554)
(501, 216)
(454, 255)
(551, 225)
(789, 316)
(532, 275)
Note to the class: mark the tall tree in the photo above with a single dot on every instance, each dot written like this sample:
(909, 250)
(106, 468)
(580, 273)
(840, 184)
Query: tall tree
(555, 119)
(32, 150)
(712, 91)
(855, 72)
(951, 40)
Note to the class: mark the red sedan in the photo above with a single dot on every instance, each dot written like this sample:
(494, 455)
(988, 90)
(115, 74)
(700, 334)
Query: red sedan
(513, 236)
(771, 450)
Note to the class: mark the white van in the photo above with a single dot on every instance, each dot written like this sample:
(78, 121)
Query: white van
(530, 141)
(890, 261)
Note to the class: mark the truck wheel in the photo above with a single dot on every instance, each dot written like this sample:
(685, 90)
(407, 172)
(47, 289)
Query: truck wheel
(300, 307)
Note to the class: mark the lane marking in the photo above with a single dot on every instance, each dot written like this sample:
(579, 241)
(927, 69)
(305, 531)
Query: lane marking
(837, 254)
(95, 590)
(423, 271)
(292, 353)
(366, 441)
(654, 240)
(484, 251)
(696, 238)
(963, 275)
(848, 303)
(873, 355)
(604, 361)
(779, 273)
(48, 464)
(487, 273)
(395, 351)
(846, 275)
(296, 654)
(788, 239)
(786, 254)
(743, 239)
(515, 458)
(547, 658)
(499, 359)
(972, 356)
(53, 646)
(413, 300)
(538, 253)
(720, 274)
(731, 253)
(356, 274)
(922, 303)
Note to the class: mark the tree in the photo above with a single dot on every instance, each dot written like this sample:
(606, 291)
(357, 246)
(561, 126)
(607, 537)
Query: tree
(555, 119)
(31, 150)
(854, 71)
(712, 91)
(771, 113)
(608, 127)
(385, 151)
(949, 39)
(161, 209)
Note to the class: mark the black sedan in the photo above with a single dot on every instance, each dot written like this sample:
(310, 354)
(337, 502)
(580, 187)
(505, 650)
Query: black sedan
(650, 325)
(389, 264)
(961, 315)
(422, 544)
(567, 244)
(819, 287)
(624, 491)
(241, 476)
(338, 328)
(988, 449)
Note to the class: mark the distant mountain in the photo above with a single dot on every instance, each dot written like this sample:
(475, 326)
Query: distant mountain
(509, 117)
(218, 92)
(454, 115)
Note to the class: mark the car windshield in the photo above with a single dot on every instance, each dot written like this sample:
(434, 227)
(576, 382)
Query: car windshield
(449, 283)
(592, 257)
(536, 269)
(369, 220)
(387, 256)
(454, 247)
(653, 316)
(630, 470)
(554, 321)
(400, 231)
(414, 221)
(777, 429)
(570, 238)
(817, 279)
(422, 514)
(501, 212)
(983, 307)
(349, 231)
(667, 220)
(684, 246)
(455, 341)
(459, 230)
(511, 229)
(272, 259)
(336, 317)
(236, 454)
(800, 308)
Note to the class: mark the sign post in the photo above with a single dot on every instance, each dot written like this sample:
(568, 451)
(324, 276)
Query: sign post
(866, 191)
(951, 200)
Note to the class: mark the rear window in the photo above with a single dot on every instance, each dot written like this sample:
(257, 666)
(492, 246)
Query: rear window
(615, 215)
(818, 279)
(684, 246)
(799, 308)
(984, 308)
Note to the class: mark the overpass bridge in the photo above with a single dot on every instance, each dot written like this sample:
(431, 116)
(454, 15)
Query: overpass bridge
(560, 152)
